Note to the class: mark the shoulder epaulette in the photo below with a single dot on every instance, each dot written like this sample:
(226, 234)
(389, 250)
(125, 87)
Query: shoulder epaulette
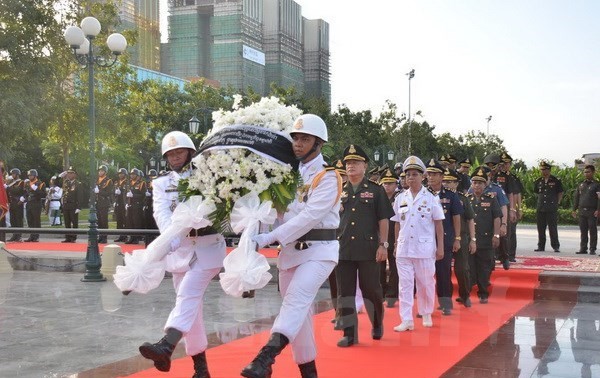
(489, 194)
(431, 191)
(328, 167)
(374, 182)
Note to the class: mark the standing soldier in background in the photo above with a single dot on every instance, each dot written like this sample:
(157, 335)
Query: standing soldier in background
(121, 189)
(149, 221)
(511, 184)
(53, 197)
(587, 203)
(104, 191)
(135, 204)
(16, 197)
(507, 185)
(389, 284)
(36, 192)
(487, 230)
(464, 181)
(550, 192)
(71, 202)
(3, 202)
(468, 241)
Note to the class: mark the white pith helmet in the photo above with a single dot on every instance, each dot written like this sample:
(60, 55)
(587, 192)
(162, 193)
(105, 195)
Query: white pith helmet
(175, 140)
(312, 125)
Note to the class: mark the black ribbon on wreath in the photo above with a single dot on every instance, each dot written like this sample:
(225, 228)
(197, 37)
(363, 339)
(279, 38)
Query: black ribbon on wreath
(254, 138)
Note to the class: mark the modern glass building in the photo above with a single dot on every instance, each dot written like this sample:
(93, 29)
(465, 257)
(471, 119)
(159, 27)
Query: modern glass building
(248, 44)
(143, 16)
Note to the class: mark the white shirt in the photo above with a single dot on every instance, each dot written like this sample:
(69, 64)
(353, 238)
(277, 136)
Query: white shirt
(317, 208)
(416, 216)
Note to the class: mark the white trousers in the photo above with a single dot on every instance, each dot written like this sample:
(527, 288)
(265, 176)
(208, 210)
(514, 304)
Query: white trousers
(187, 316)
(299, 286)
(423, 272)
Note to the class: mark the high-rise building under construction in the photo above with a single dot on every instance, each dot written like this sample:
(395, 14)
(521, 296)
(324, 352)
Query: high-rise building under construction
(142, 16)
(248, 44)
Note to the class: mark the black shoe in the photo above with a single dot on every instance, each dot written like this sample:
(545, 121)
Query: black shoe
(581, 253)
(539, 250)
(377, 332)
(467, 302)
(261, 365)
(419, 316)
(200, 366)
(556, 250)
(102, 240)
(506, 264)
(346, 341)
(308, 370)
(593, 252)
(248, 294)
(66, 241)
(483, 300)
(512, 260)
(446, 311)
(28, 240)
(459, 300)
(161, 351)
(132, 241)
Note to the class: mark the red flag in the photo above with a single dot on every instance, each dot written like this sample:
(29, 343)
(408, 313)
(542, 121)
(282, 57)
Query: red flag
(3, 199)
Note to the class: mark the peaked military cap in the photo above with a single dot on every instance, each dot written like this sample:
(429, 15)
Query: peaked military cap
(340, 167)
(374, 171)
(388, 176)
(122, 171)
(383, 168)
(103, 168)
(451, 158)
(545, 165)
(402, 174)
(506, 157)
(354, 152)
(492, 159)
(413, 162)
(450, 175)
(71, 170)
(398, 165)
(15, 170)
(443, 159)
(465, 163)
(434, 166)
(479, 174)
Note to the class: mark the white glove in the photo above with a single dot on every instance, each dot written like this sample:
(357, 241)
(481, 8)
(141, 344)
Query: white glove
(148, 194)
(263, 239)
(117, 191)
(22, 199)
(5, 186)
(34, 187)
(129, 194)
(96, 190)
(77, 211)
(26, 181)
(63, 174)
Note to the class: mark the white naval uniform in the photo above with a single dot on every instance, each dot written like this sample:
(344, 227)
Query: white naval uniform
(55, 193)
(416, 249)
(192, 272)
(301, 273)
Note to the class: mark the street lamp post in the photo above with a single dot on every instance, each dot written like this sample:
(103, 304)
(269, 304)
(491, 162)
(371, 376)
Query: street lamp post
(488, 125)
(80, 40)
(410, 75)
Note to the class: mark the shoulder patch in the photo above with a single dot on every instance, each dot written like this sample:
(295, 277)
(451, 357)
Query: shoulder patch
(431, 190)
(490, 194)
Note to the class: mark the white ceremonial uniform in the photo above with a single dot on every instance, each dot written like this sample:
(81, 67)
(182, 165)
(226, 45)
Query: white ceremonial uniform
(416, 249)
(55, 193)
(302, 272)
(194, 262)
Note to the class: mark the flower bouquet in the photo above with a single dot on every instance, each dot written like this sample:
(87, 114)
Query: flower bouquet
(247, 167)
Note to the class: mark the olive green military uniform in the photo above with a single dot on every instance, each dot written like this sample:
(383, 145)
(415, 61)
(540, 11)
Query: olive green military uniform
(362, 209)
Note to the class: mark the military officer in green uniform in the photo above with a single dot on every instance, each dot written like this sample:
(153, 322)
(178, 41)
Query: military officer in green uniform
(104, 192)
(586, 202)
(363, 236)
(550, 192)
(487, 232)
(389, 282)
(36, 193)
(464, 181)
(121, 185)
(71, 202)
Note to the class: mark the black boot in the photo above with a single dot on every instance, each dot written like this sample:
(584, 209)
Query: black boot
(350, 337)
(200, 366)
(260, 367)
(308, 370)
(161, 351)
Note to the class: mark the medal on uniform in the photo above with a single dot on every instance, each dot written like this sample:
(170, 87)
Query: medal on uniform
(173, 205)
(403, 217)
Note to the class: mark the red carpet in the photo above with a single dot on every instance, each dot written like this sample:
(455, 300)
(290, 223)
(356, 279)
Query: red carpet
(82, 247)
(557, 263)
(424, 352)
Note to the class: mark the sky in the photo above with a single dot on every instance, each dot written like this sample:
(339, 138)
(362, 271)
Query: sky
(533, 65)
